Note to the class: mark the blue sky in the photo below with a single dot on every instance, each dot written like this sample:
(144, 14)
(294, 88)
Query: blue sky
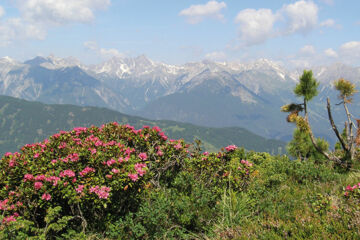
(296, 33)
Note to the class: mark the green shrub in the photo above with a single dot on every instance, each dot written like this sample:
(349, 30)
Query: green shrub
(90, 175)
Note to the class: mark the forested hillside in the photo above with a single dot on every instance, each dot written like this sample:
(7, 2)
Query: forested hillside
(23, 122)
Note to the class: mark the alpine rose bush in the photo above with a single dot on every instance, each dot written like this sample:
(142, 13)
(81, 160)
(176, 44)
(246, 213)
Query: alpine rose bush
(89, 178)
(91, 173)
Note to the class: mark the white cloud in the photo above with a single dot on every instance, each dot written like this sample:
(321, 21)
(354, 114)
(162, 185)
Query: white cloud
(350, 49)
(60, 11)
(17, 28)
(110, 52)
(36, 16)
(307, 50)
(2, 11)
(330, 53)
(216, 56)
(103, 52)
(197, 13)
(255, 26)
(327, 23)
(301, 16)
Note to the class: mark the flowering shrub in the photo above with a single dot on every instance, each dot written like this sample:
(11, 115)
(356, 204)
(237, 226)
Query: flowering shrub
(91, 173)
(224, 169)
(352, 191)
(88, 178)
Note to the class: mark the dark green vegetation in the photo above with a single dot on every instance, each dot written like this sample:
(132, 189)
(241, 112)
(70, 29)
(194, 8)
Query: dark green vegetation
(22, 122)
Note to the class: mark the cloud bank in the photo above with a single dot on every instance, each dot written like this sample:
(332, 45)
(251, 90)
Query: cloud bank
(197, 13)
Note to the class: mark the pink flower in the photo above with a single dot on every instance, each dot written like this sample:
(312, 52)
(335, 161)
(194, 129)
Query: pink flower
(74, 157)
(206, 153)
(133, 177)
(9, 219)
(231, 148)
(62, 145)
(108, 176)
(38, 185)
(86, 171)
(156, 128)
(40, 178)
(36, 155)
(53, 161)
(348, 188)
(178, 146)
(53, 179)
(159, 153)
(94, 189)
(46, 197)
(4, 204)
(12, 163)
(139, 168)
(57, 135)
(110, 162)
(114, 170)
(79, 188)
(92, 150)
(102, 192)
(67, 173)
(28, 177)
(8, 154)
(143, 156)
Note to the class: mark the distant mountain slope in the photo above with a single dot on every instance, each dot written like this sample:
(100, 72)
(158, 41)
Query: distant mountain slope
(206, 93)
(23, 122)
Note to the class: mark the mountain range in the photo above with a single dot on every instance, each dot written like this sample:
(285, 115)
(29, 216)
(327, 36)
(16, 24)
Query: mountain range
(23, 122)
(212, 94)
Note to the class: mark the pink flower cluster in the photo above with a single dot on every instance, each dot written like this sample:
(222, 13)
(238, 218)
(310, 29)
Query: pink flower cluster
(231, 148)
(38, 185)
(139, 168)
(73, 157)
(86, 171)
(12, 162)
(28, 177)
(110, 162)
(143, 156)
(133, 177)
(10, 218)
(350, 189)
(101, 192)
(67, 173)
(79, 188)
(79, 130)
(46, 197)
(62, 145)
(246, 163)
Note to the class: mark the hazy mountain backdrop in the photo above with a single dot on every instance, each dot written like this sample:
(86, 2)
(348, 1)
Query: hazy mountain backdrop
(205, 93)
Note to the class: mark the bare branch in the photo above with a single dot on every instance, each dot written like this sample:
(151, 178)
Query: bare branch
(343, 145)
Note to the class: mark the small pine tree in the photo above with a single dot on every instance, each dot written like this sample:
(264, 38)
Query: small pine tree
(302, 148)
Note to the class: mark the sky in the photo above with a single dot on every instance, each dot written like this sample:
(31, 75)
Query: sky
(298, 33)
